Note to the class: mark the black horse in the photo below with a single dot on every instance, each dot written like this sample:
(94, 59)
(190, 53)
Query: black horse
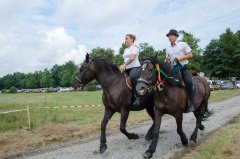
(171, 99)
(117, 97)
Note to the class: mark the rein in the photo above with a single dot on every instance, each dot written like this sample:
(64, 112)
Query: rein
(109, 82)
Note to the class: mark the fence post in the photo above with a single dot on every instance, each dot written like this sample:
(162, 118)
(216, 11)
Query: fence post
(29, 120)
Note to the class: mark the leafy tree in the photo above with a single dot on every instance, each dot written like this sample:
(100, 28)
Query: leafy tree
(46, 79)
(221, 56)
(101, 52)
(68, 74)
(118, 59)
(195, 63)
(122, 48)
(146, 51)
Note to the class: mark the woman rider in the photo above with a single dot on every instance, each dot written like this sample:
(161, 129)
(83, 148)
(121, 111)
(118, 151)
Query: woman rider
(131, 63)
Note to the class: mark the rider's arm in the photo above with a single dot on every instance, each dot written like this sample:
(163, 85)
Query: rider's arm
(187, 51)
(130, 60)
(185, 57)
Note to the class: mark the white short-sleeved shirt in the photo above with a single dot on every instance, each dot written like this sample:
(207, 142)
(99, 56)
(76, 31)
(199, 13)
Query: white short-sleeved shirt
(178, 50)
(128, 53)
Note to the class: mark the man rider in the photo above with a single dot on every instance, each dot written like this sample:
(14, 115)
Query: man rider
(180, 51)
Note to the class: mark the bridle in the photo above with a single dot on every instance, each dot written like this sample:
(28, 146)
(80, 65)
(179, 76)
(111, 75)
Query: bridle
(103, 85)
(150, 84)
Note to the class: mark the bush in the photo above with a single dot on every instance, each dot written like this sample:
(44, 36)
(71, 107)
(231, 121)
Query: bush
(4, 91)
(13, 89)
(91, 87)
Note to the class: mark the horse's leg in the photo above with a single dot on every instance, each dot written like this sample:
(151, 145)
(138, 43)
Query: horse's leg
(203, 110)
(157, 124)
(124, 117)
(179, 119)
(150, 111)
(198, 120)
(107, 116)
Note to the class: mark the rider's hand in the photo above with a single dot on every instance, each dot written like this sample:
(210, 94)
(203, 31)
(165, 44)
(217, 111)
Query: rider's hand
(121, 68)
(176, 59)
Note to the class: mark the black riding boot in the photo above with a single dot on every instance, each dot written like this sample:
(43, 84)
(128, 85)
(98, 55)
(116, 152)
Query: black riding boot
(190, 92)
(137, 100)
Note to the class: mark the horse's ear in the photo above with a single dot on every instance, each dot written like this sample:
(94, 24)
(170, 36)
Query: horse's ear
(144, 59)
(87, 58)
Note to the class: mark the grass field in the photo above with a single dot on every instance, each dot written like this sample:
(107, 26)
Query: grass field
(224, 144)
(15, 121)
(52, 126)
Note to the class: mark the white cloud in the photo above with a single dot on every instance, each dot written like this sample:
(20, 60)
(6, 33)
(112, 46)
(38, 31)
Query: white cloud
(38, 34)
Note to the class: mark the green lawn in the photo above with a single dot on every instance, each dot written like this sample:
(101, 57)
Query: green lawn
(78, 116)
(223, 144)
(21, 100)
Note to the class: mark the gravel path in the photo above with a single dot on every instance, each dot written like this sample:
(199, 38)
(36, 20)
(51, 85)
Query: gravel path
(169, 141)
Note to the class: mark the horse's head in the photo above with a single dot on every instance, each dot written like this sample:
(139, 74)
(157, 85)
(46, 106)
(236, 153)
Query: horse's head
(86, 72)
(148, 76)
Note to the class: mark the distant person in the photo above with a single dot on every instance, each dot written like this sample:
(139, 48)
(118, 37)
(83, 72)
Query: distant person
(180, 51)
(131, 64)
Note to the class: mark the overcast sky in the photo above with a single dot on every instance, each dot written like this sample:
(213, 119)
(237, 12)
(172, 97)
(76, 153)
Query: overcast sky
(36, 34)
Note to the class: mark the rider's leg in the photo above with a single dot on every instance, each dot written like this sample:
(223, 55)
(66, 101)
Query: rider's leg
(134, 73)
(190, 89)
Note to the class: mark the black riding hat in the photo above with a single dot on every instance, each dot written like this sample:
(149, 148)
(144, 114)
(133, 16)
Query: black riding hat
(173, 31)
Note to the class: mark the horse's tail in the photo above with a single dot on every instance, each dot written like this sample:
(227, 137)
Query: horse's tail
(207, 113)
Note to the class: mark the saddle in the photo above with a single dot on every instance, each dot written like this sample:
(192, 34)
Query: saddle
(128, 82)
(180, 73)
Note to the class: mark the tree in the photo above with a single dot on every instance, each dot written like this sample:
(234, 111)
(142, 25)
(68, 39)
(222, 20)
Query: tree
(122, 48)
(195, 63)
(46, 79)
(56, 75)
(101, 52)
(222, 56)
(1, 84)
(118, 59)
(68, 74)
(146, 51)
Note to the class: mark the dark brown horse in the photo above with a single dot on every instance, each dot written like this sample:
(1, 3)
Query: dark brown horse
(172, 99)
(117, 97)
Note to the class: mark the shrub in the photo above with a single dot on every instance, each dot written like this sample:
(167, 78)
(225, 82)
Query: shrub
(91, 87)
(13, 89)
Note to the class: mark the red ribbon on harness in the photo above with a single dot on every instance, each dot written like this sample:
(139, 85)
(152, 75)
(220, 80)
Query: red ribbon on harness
(160, 81)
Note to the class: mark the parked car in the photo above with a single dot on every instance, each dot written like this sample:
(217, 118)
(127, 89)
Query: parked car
(67, 89)
(238, 84)
(51, 89)
(98, 87)
(227, 85)
(213, 85)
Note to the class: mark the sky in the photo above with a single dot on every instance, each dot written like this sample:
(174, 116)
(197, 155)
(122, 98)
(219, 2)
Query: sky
(36, 34)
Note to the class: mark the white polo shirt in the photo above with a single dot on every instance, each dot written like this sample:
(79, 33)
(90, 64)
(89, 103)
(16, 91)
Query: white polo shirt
(178, 50)
(128, 53)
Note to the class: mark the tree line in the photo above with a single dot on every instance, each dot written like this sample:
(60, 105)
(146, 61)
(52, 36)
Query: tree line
(220, 59)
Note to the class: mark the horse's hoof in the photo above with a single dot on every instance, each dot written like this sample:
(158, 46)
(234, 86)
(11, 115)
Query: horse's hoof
(201, 127)
(185, 142)
(193, 139)
(103, 148)
(134, 136)
(147, 155)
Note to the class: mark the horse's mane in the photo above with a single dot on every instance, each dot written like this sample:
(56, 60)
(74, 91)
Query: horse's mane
(106, 65)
